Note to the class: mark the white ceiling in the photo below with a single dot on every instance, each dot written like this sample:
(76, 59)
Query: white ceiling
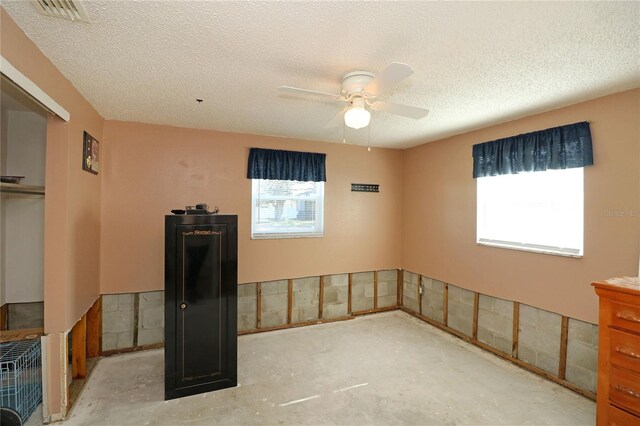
(476, 63)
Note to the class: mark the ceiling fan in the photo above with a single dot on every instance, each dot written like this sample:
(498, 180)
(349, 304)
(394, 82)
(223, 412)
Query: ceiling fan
(360, 89)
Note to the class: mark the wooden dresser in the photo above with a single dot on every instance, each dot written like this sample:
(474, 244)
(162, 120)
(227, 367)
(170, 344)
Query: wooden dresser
(618, 401)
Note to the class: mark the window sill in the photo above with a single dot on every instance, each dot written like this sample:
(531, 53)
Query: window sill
(284, 236)
(530, 249)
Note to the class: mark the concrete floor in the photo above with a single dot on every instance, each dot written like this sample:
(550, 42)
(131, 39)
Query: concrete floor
(381, 369)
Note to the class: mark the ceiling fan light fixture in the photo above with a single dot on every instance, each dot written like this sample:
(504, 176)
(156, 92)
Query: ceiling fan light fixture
(357, 115)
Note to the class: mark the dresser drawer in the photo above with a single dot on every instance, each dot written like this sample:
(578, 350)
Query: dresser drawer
(624, 388)
(617, 417)
(625, 316)
(624, 350)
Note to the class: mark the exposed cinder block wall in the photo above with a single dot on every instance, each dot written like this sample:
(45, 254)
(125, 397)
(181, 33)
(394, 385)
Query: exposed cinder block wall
(361, 291)
(539, 331)
(582, 354)
(410, 291)
(117, 321)
(247, 306)
(387, 288)
(125, 327)
(150, 318)
(495, 323)
(306, 299)
(460, 310)
(275, 300)
(539, 338)
(120, 319)
(25, 315)
(433, 299)
(336, 296)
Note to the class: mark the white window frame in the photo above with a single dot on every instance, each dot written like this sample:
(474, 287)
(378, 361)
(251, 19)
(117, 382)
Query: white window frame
(575, 252)
(318, 231)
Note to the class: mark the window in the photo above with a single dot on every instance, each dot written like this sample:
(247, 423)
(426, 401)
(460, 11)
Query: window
(537, 211)
(286, 209)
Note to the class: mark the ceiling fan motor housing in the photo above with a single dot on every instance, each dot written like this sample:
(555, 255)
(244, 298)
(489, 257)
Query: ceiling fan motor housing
(354, 82)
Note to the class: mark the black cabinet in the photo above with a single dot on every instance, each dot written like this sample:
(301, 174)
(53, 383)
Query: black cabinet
(201, 264)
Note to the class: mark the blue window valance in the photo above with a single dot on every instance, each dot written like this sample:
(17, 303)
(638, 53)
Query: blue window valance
(275, 164)
(563, 147)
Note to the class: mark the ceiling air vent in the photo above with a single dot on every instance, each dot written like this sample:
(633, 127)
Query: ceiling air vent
(65, 9)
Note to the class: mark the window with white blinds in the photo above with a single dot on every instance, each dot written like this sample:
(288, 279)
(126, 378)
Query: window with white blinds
(536, 211)
(286, 209)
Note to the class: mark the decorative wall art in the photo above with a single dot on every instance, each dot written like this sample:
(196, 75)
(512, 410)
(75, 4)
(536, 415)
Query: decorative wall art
(91, 154)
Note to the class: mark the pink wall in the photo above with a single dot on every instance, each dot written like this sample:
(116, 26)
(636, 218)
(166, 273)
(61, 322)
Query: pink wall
(72, 203)
(78, 211)
(149, 170)
(104, 234)
(439, 213)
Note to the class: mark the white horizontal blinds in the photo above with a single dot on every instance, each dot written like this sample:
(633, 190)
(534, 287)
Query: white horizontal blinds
(538, 211)
(285, 208)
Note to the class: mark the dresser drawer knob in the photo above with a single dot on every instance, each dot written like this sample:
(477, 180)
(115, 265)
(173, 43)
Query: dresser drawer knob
(627, 352)
(630, 392)
(628, 316)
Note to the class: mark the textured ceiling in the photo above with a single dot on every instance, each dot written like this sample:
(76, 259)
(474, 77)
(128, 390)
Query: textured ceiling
(476, 63)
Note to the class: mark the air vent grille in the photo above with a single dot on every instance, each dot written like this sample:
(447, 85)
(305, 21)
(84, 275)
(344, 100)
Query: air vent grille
(365, 187)
(65, 9)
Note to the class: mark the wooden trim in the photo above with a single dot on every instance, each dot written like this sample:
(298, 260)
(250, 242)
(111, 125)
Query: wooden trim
(425, 297)
(321, 298)
(537, 371)
(136, 317)
(375, 310)
(135, 349)
(445, 308)
(504, 356)
(350, 293)
(375, 289)
(476, 307)
(400, 286)
(32, 89)
(296, 325)
(258, 304)
(516, 329)
(290, 301)
(94, 329)
(4, 317)
(420, 293)
(564, 334)
(79, 349)
(436, 324)
(24, 334)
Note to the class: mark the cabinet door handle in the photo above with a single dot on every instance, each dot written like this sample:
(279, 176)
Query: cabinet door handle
(630, 392)
(628, 316)
(183, 306)
(627, 352)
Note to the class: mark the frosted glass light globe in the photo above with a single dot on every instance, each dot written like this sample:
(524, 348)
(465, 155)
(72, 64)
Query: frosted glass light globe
(357, 116)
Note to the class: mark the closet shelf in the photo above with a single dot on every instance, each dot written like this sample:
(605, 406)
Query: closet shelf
(20, 189)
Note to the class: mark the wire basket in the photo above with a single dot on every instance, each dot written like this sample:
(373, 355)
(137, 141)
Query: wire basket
(21, 376)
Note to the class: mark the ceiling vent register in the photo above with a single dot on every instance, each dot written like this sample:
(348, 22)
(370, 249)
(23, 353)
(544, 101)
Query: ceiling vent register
(65, 9)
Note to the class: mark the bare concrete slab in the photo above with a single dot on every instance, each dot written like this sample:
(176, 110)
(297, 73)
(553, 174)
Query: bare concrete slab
(381, 369)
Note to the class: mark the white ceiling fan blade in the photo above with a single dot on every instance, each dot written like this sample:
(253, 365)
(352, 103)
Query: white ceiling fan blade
(337, 120)
(404, 110)
(307, 92)
(389, 77)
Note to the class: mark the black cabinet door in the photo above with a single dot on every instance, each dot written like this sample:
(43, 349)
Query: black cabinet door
(200, 304)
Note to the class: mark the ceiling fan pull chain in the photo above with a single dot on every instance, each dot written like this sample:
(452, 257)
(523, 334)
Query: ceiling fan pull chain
(344, 140)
